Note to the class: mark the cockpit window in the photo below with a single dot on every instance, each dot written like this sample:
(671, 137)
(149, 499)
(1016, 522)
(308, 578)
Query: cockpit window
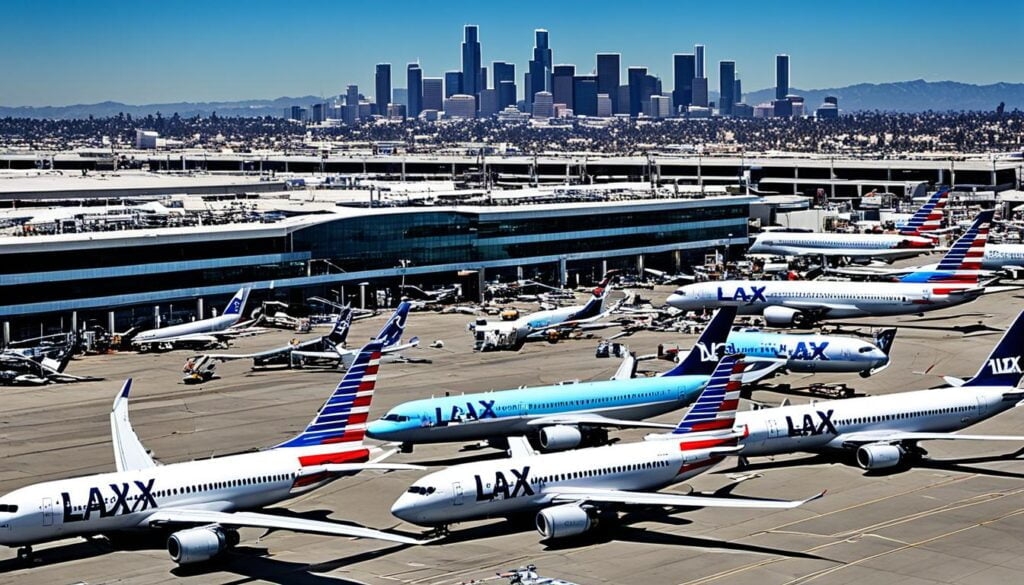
(423, 491)
(8, 508)
(866, 349)
(391, 417)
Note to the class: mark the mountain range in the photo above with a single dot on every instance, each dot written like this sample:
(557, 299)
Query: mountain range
(903, 96)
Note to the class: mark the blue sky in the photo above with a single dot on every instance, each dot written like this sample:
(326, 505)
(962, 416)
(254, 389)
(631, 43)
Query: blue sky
(64, 52)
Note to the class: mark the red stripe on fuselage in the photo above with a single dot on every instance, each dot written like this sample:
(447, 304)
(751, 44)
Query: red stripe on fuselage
(353, 456)
(707, 443)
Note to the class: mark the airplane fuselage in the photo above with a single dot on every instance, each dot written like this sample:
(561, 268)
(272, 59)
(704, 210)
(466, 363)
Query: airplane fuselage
(807, 352)
(211, 325)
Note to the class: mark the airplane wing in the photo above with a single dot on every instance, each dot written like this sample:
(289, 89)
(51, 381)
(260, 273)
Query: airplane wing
(595, 420)
(226, 357)
(901, 436)
(129, 454)
(414, 342)
(273, 522)
(823, 308)
(355, 467)
(601, 496)
(519, 446)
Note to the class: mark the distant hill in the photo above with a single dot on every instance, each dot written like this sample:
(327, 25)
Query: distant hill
(908, 96)
(903, 96)
(244, 108)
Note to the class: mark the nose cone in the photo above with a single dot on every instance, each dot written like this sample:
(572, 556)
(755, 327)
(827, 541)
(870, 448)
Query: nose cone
(677, 300)
(378, 429)
(404, 508)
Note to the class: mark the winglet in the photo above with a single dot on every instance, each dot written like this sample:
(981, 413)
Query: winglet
(129, 454)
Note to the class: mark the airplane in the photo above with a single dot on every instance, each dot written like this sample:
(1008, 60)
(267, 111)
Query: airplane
(769, 353)
(573, 491)
(203, 503)
(40, 364)
(800, 303)
(909, 242)
(536, 326)
(1006, 258)
(561, 416)
(203, 332)
(884, 431)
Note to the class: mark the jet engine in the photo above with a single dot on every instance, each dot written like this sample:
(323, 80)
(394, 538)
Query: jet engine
(784, 316)
(562, 521)
(878, 456)
(196, 545)
(560, 437)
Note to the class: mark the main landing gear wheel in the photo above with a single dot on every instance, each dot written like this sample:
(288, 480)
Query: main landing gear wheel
(25, 554)
(439, 532)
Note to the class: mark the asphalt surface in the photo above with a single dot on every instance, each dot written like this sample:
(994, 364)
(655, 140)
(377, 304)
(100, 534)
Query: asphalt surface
(957, 519)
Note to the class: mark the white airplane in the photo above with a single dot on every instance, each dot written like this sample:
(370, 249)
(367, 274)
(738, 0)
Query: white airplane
(884, 431)
(328, 350)
(536, 326)
(909, 242)
(572, 490)
(787, 303)
(205, 502)
(203, 332)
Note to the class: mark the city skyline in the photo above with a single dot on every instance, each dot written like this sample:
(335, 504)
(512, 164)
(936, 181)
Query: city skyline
(54, 63)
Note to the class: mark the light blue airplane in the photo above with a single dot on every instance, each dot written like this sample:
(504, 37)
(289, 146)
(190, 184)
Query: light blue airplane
(560, 416)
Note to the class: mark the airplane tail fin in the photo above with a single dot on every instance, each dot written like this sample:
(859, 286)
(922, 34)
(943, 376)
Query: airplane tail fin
(963, 260)
(929, 217)
(597, 298)
(339, 333)
(342, 419)
(1003, 367)
(703, 356)
(393, 330)
(237, 303)
(884, 340)
(715, 408)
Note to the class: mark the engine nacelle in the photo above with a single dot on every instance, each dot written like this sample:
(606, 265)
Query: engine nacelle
(562, 521)
(784, 316)
(873, 457)
(196, 545)
(560, 437)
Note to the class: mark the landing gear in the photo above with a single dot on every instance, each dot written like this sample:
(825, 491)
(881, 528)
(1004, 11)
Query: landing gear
(742, 462)
(25, 554)
(439, 531)
(405, 448)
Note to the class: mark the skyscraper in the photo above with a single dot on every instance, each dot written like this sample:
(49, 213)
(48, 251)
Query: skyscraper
(471, 61)
(543, 105)
(503, 72)
(584, 95)
(452, 83)
(635, 78)
(561, 82)
(700, 91)
(433, 93)
(698, 52)
(608, 72)
(726, 87)
(383, 88)
(414, 85)
(781, 76)
(540, 66)
(684, 70)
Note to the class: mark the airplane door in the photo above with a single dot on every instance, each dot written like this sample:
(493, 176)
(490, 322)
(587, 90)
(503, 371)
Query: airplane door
(47, 511)
(981, 406)
(457, 493)
(773, 429)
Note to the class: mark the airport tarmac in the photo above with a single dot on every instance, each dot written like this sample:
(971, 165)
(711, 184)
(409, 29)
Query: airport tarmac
(958, 519)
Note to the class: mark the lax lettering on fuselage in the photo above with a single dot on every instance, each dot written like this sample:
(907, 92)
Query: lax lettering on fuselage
(740, 294)
(501, 490)
(810, 351)
(97, 504)
(809, 427)
(469, 413)
(1006, 365)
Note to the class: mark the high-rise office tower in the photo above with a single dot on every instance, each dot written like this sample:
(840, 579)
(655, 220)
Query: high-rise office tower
(726, 87)
(737, 92)
(488, 105)
(482, 79)
(624, 99)
(698, 53)
(540, 66)
(543, 105)
(604, 106)
(700, 91)
(352, 95)
(635, 78)
(562, 81)
(460, 106)
(383, 88)
(608, 72)
(584, 95)
(453, 83)
(433, 93)
(471, 60)
(503, 72)
(781, 76)
(684, 70)
(414, 86)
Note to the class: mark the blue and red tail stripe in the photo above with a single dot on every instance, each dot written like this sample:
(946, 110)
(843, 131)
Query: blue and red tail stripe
(929, 217)
(961, 263)
(715, 408)
(342, 419)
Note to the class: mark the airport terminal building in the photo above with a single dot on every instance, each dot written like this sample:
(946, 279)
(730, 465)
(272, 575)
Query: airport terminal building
(117, 277)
